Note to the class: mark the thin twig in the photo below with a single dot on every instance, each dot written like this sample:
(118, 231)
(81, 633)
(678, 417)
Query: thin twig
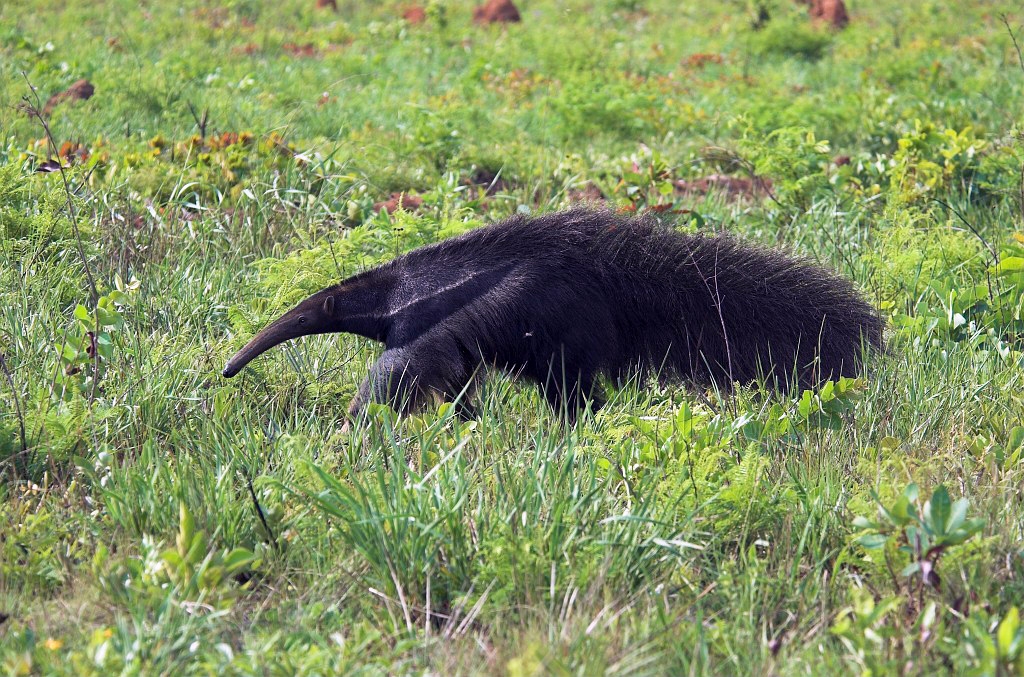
(259, 511)
(1020, 187)
(1020, 60)
(201, 120)
(17, 403)
(1020, 57)
(34, 111)
(991, 249)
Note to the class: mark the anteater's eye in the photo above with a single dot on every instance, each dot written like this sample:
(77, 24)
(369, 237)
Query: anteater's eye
(302, 319)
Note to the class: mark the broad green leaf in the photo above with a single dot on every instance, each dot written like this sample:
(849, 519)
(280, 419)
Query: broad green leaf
(172, 558)
(864, 523)
(238, 559)
(198, 551)
(957, 515)
(927, 619)
(105, 317)
(889, 443)
(70, 350)
(872, 541)
(938, 510)
(805, 405)
(902, 511)
(1011, 264)
(1016, 439)
(1007, 632)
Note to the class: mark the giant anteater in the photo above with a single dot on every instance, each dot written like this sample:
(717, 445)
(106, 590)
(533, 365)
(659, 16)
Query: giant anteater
(566, 297)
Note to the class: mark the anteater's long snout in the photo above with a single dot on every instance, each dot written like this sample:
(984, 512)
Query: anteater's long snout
(235, 364)
(278, 332)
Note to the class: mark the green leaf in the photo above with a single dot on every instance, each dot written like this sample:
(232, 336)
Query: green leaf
(939, 510)
(974, 526)
(198, 551)
(238, 558)
(883, 608)
(957, 515)
(1011, 264)
(107, 318)
(1016, 439)
(172, 558)
(872, 541)
(71, 349)
(82, 313)
(186, 528)
(864, 523)
(902, 511)
(805, 405)
(1007, 632)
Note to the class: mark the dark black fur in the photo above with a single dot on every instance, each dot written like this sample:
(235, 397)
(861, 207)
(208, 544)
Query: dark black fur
(564, 298)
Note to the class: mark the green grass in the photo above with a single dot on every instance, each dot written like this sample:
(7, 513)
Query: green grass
(158, 519)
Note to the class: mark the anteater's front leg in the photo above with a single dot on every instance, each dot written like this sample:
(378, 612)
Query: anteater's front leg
(393, 380)
(406, 378)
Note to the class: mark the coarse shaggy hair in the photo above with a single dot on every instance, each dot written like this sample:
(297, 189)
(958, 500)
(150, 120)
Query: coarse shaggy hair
(564, 298)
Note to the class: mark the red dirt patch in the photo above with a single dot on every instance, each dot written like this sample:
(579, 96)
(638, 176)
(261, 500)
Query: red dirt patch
(73, 153)
(79, 91)
(305, 51)
(248, 49)
(832, 12)
(699, 61)
(415, 14)
(327, 4)
(215, 17)
(496, 11)
(409, 203)
(733, 187)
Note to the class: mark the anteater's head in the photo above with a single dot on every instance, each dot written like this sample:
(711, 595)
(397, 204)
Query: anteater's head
(318, 314)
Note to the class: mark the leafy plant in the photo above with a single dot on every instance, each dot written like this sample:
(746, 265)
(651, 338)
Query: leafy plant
(922, 534)
(865, 630)
(85, 351)
(929, 158)
(793, 158)
(1000, 652)
(193, 573)
(791, 38)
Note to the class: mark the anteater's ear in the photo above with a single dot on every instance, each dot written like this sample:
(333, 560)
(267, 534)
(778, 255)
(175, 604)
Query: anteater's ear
(329, 305)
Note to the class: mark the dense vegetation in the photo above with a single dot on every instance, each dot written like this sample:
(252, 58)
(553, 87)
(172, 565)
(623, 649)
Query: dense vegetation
(159, 519)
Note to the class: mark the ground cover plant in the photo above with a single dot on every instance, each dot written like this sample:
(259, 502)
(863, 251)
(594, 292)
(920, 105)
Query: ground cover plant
(223, 160)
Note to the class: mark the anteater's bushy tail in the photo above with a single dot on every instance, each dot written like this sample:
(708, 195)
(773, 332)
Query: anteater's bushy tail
(714, 308)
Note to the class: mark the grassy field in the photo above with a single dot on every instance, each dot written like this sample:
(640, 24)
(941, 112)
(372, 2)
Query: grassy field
(156, 518)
